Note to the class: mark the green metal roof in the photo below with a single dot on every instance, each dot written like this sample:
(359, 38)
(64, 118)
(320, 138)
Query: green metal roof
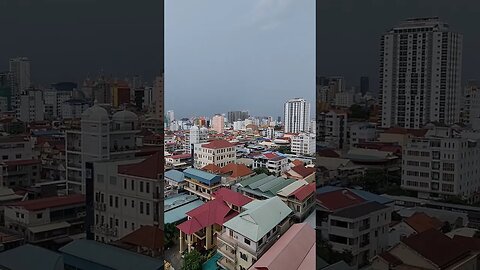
(278, 187)
(257, 221)
(261, 182)
(252, 179)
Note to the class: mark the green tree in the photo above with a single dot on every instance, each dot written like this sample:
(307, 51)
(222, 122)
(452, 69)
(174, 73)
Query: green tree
(262, 170)
(359, 112)
(284, 149)
(171, 233)
(192, 260)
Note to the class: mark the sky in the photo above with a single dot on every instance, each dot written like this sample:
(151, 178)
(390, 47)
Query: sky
(67, 40)
(349, 31)
(228, 55)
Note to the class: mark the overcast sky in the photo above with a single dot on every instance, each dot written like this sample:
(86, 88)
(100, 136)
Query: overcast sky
(224, 55)
(348, 33)
(69, 39)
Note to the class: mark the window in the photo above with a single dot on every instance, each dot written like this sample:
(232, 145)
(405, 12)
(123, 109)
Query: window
(39, 215)
(18, 156)
(100, 178)
(247, 241)
(124, 183)
(116, 202)
(243, 256)
(141, 207)
(5, 157)
(125, 225)
(133, 204)
(147, 209)
(147, 187)
(133, 185)
(110, 200)
(125, 202)
(133, 226)
(141, 186)
(113, 180)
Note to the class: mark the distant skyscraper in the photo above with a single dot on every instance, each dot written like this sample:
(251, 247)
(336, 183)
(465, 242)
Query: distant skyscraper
(218, 123)
(297, 116)
(364, 85)
(420, 74)
(20, 68)
(237, 116)
(158, 96)
(170, 116)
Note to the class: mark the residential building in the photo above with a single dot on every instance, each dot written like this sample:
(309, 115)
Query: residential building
(54, 99)
(120, 94)
(46, 220)
(20, 172)
(247, 236)
(100, 138)
(344, 99)
(441, 164)
(235, 116)
(300, 172)
(205, 222)
(127, 195)
(218, 123)
(197, 135)
(273, 162)
(38, 258)
(361, 132)
(20, 69)
(349, 222)
(201, 183)
(303, 144)
(158, 93)
(73, 108)
(295, 250)
(31, 106)
(262, 186)
(332, 129)
(471, 110)
(420, 74)
(430, 249)
(218, 152)
(300, 197)
(414, 224)
(296, 116)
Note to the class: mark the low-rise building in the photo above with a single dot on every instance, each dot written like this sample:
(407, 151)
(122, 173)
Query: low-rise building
(20, 173)
(44, 221)
(201, 183)
(246, 237)
(300, 197)
(274, 163)
(303, 144)
(218, 152)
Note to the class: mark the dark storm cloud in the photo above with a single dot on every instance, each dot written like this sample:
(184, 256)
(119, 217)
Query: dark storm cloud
(69, 39)
(348, 32)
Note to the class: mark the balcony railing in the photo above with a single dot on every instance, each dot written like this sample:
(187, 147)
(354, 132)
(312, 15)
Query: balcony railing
(226, 264)
(227, 252)
(105, 230)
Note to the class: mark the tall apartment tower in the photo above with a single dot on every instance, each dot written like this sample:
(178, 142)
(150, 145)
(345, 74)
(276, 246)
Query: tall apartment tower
(20, 68)
(420, 74)
(158, 90)
(297, 115)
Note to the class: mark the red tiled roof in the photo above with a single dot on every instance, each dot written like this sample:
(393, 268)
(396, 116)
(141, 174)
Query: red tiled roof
(297, 162)
(270, 155)
(213, 212)
(339, 199)
(392, 260)
(303, 171)
(150, 168)
(303, 192)
(181, 156)
(236, 170)
(232, 197)
(22, 162)
(211, 168)
(146, 236)
(436, 247)
(421, 222)
(472, 243)
(50, 202)
(218, 144)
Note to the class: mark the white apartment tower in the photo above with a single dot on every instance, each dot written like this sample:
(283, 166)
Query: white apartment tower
(297, 115)
(100, 138)
(420, 74)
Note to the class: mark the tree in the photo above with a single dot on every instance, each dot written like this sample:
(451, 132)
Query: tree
(284, 150)
(262, 170)
(192, 260)
(358, 112)
(171, 233)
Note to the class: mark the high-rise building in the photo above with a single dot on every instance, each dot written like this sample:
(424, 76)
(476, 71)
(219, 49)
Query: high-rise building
(237, 116)
(297, 115)
(158, 96)
(218, 123)
(420, 74)
(31, 106)
(332, 129)
(6, 80)
(20, 68)
(364, 85)
(471, 106)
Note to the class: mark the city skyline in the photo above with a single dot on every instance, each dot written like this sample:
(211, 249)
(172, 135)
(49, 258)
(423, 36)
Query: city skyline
(360, 41)
(254, 51)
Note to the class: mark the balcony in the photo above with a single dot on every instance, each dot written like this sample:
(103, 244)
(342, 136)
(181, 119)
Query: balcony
(226, 264)
(227, 252)
(364, 227)
(105, 230)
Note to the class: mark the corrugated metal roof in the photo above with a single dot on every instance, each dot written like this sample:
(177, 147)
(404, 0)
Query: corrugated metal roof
(29, 257)
(175, 175)
(204, 177)
(179, 213)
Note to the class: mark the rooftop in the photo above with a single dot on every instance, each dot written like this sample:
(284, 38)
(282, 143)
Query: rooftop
(201, 176)
(38, 258)
(146, 236)
(218, 144)
(421, 222)
(232, 197)
(50, 202)
(360, 210)
(338, 199)
(149, 168)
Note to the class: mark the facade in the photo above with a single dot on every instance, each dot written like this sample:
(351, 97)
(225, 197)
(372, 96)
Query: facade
(361, 132)
(73, 108)
(218, 123)
(247, 236)
(100, 138)
(20, 68)
(420, 74)
(31, 106)
(158, 92)
(217, 152)
(303, 144)
(332, 129)
(300, 197)
(127, 195)
(349, 222)
(296, 116)
(471, 113)
(273, 162)
(197, 135)
(42, 221)
(440, 165)
(54, 100)
(344, 99)
(236, 116)
(202, 184)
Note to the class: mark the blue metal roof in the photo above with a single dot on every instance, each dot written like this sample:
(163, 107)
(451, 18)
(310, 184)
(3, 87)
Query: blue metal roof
(175, 175)
(201, 176)
(110, 256)
(177, 214)
(38, 258)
